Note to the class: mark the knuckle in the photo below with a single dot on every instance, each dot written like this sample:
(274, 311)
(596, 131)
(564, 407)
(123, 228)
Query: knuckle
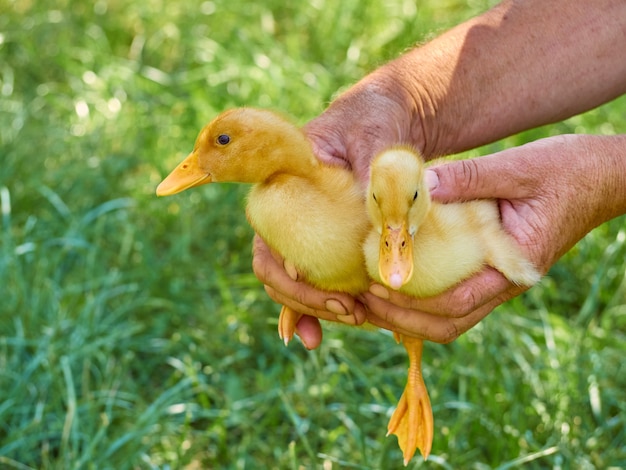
(271, 293)
(461, 303)
(469, 174)
(260, 268)
(359, 316)
(300, 294)
(446, 334)
(451, 333)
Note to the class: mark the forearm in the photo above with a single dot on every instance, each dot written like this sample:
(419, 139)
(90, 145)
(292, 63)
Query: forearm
(522, 64)
(609, 177)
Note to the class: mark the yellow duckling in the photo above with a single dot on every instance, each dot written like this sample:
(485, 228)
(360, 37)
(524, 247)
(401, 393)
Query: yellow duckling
(311, 213)
(422, 248)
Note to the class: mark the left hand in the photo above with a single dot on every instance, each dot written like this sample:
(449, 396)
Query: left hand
(282, 285)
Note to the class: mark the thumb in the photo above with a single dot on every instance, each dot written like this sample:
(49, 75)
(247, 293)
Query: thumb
(310, 331)
(487, 177)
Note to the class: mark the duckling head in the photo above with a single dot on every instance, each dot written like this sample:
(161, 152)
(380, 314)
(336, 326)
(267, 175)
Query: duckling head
(397, 203)
(243, 145)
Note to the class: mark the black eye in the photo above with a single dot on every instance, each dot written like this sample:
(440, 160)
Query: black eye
(374, 196)
(223, 139)
(415, 196)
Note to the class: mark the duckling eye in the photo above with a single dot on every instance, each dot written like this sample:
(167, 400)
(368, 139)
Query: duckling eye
(415, 196)
(223, 139)
(374, 196)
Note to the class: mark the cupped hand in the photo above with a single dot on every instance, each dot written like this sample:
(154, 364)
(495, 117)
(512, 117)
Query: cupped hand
(371, 115)
(550, 195)
(444, 317)
(283, 286)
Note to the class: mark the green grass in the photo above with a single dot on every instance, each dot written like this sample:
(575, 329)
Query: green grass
(132, 332)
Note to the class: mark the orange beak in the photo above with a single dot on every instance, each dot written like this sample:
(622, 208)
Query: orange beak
(395, 264)
(186, 175)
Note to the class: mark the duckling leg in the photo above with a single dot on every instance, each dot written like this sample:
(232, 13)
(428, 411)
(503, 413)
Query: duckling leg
(412, 421)
(287, 323)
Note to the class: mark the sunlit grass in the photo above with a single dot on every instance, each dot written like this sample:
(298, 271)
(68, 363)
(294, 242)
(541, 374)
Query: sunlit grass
(132, 332)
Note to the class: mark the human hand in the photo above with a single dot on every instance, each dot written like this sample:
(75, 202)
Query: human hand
(282, 285)
(372, 115)
(550, 194)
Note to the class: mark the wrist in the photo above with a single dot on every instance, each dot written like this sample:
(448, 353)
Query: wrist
(443, 85)
(583, 185)
(608, 159)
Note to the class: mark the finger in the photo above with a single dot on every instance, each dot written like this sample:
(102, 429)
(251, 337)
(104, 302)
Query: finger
(327, 146)
(332, 309)
(457, 301)
(264, 264)
(422, 325)
(493, 176)
(384, 314)
(280, 298)
(300, 296)
(310, 332)
(360, 313)
(265, 260)
(327, 154)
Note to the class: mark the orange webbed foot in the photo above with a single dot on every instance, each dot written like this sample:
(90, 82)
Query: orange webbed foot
(412, 421)
(287, 323)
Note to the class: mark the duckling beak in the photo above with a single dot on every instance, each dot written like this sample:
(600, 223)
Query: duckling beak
(395, 264)
(186, 175)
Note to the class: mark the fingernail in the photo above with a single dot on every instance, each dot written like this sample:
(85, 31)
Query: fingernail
(379, 291)
(291, 270)
(347, 319)
(336, 307)
(432, 179)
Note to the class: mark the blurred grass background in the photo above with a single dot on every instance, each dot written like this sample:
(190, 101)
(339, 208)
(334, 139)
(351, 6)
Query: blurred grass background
(132, 331)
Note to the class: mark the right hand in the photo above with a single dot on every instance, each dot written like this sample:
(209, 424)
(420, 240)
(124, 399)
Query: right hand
(550, 193)
(372, 115)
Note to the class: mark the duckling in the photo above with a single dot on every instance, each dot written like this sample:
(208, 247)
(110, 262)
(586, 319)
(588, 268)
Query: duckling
(312, 213)
(422, 248)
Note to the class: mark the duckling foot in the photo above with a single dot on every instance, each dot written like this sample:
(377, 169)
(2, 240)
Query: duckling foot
(287, 323)
(412, 422)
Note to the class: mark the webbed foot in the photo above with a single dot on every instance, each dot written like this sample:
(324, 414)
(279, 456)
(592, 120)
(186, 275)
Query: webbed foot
(412, 421)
